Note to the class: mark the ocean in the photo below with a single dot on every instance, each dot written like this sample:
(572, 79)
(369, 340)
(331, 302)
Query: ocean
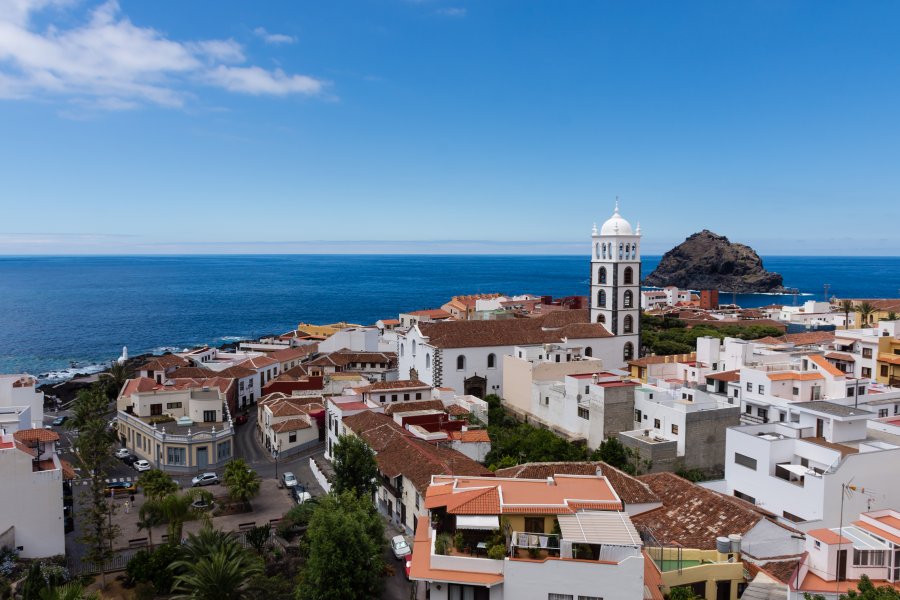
(56, 312)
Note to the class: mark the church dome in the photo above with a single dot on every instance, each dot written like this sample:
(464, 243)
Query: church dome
(616, 225)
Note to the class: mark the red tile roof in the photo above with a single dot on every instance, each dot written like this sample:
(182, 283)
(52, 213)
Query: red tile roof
(166, 361)
(259, 362)
(549, 328)
(291, 425)
(399, 407)
(630, 489)
(32, 436)
(828, 536)
(470, 436)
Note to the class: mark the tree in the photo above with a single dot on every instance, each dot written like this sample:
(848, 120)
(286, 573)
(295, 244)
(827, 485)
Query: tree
(846, 307)
(156, 484)
(241, 481)
(892, 316)
(149, 516)
(865, 310)
(258, 537)
(346, 541)
(354, 466)
(92, 447)
(682, 593)
(176, 509)
(114, 379)
(214, 566)
(613, 453)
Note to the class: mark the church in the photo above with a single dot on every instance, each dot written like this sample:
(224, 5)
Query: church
(468, 355)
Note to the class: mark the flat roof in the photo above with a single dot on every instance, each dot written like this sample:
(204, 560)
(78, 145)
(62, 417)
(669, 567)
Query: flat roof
(830, 408)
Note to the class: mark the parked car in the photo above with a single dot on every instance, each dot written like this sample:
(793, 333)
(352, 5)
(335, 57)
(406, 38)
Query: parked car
(122, 453)
(141, 465)
(301, 496)
(60, 420)
(130, 460)
(408, 564)
(288, 479)
(399, 547)
(205, 479)
(120, 487)
(240, 420)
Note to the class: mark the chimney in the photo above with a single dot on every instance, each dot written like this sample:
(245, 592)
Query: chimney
(599, 472)
(550, 480)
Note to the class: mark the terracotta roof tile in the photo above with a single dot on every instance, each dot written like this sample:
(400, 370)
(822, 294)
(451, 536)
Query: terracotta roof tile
(470, 436)
(166, 361)
(400, 384)
(399, 407)
(826, 366)
(550, 328)
(455, 410)
(32, 436)
(291, 425)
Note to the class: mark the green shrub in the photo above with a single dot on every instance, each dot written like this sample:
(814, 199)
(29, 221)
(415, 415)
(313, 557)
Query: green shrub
(497, 552)
(458, 541)
(442, 544)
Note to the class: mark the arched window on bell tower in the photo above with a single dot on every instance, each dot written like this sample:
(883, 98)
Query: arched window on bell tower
(601, 275)
(628, 276)
(601, 298)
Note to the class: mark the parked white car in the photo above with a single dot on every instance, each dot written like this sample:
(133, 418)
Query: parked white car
(288, 479)
(122, 453)
(205, 479)
(399, 547)
(141, 465)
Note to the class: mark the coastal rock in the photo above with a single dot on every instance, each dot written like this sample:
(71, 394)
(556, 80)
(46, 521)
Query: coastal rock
(707, 260)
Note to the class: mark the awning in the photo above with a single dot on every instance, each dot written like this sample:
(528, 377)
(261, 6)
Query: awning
(796, 469)
(602, 527)
(483, 522)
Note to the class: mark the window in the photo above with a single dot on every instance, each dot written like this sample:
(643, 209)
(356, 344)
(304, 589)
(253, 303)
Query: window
(456, 591)
(795, 390)
(818, 544)
(590, 597)
(675, 429)
(428, 360)
(601, 298)
(155, 409)
(637, 416)
(866, 372)
(601, 275)
(749, 387)
(748, 409)
(588, 351)
(628, 324)
(868, 558)
(744, 461)
(762, 389)
(173, 405)
(460, 362)
(584, 413)
(656, 423)
(883, 412)
(745, 497)
(492, 361)
(628, 351)
(763, 414)
(209, 416)
(534, 524)
(223, 450)
(292, 437)
(418, 395)
(382, 397)
(867, 353)
(560, 597)
(628, 299)
(628, 276)
(546, 400)
(401, 349)
(884, 370)
(393, 397)
(417, 501)
(175, 456)
(601, 318)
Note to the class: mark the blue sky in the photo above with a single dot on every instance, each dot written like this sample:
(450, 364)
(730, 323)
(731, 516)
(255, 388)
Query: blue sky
(446, 126)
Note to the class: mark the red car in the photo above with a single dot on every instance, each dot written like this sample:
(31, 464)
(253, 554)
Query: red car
(240, 420)
(408, 565)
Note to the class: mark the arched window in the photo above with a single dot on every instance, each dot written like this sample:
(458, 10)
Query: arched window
(601, 275)
(401, 349)
(588, 351)
(628, 351)
(427, 360)
(492, 361)
(601, 298)
(628, 324)
(603, 247)
(634, 251)
(414, 348)
(628, 300)
(460, 362)
(627, 251)
(601, 319)
(621, 250)
(628, 276)
(597, 249)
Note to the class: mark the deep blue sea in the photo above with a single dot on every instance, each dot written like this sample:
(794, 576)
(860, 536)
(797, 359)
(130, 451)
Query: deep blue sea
(58, 310)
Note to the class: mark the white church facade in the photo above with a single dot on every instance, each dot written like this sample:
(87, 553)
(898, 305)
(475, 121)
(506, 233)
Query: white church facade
(468, 355)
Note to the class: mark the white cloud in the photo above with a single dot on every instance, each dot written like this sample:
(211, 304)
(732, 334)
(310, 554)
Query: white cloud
(112, 64)
(452, 12)
(256, 81)
(274, 38)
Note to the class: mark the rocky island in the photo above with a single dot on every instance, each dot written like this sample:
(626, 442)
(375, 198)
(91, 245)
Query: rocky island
(707, 260)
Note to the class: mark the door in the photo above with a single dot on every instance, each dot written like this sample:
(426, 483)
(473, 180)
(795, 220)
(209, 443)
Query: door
(842, 565)
(202, 457)
(403, 514)
(820, 428)
(723, 590)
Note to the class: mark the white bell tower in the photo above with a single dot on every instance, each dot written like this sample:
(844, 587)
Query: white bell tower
(616, 281)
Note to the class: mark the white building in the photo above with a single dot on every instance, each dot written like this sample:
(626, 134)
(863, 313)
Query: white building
(812, 313)
(287, 424)
(667, 296)
(354, 339)
(616, 282)
(18, 392)
(796, 469)
(31, 494)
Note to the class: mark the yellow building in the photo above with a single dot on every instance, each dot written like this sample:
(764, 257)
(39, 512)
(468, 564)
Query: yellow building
(706, 572)
(888, 368)
(322, 331)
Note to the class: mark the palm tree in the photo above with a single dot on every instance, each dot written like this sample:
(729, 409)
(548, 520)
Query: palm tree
(177, 508)
(892, 316)
(865, 310)
(241, 481)
(115, 378)
(847, 307)
(149, 516)
(214, 566)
